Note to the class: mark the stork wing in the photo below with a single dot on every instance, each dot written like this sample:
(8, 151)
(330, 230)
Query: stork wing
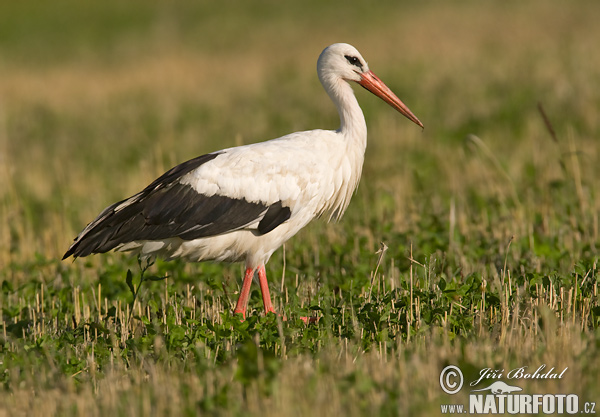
(168, 208)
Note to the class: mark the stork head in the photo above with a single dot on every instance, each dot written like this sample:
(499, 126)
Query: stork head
(342, 62)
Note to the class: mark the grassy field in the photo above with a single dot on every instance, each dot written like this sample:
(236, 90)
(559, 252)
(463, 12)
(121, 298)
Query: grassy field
(473, 243)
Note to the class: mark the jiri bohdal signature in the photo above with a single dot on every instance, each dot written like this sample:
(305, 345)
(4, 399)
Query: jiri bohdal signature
(519, 373)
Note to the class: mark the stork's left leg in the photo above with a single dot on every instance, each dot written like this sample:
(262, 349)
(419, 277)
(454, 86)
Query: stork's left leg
(242, 303)
(264, 289)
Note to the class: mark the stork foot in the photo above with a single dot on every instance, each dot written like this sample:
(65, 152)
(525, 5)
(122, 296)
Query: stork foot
(310, 320)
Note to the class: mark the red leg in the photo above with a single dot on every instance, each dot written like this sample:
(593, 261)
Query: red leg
(264, 289)
(242, 303)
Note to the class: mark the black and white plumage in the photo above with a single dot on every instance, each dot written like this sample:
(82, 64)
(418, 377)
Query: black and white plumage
(243, 203)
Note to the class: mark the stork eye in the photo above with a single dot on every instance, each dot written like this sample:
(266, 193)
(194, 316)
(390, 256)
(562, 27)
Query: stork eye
(353, 60)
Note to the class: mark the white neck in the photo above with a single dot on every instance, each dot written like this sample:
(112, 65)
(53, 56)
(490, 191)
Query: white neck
(352, 121)
(353, 128)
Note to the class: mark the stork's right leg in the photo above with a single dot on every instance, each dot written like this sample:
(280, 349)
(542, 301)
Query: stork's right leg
(242, 303)
(264, 289)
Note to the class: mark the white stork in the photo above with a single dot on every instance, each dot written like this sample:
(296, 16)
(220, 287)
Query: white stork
(243, 203)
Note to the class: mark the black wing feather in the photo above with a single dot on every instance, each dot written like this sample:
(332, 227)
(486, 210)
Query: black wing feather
(275, 215)
(167, 208)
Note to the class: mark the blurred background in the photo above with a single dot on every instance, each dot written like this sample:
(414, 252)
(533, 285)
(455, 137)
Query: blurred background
(489, 215)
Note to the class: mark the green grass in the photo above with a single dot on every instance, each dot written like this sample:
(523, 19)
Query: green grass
(489, 216)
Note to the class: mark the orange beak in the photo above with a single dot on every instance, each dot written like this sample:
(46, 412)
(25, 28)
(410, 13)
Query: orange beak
(372, 83)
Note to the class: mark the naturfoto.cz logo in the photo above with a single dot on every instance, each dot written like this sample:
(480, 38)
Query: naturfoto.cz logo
(499, 397)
